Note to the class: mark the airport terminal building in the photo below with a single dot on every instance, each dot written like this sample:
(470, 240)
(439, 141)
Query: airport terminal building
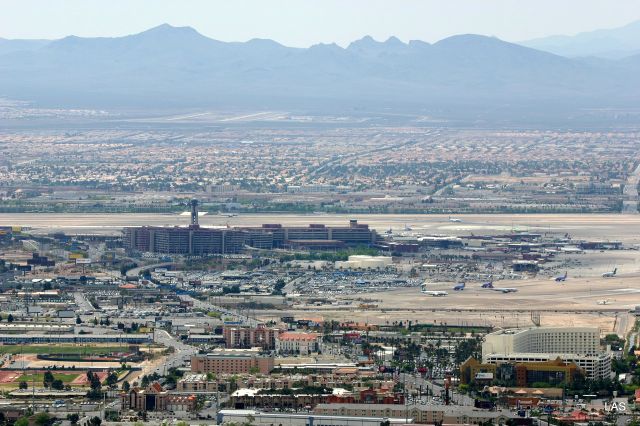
(320, 236)
(192, 240)
(196, 241)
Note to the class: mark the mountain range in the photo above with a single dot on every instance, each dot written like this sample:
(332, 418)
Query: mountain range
(167, 67)
(613, 43)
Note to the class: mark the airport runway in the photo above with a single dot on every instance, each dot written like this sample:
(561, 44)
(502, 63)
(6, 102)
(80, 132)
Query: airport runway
(625, 228)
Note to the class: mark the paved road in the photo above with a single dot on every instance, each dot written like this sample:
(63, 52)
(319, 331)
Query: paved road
(82, 302)
(233, 314)
(181, 354)
(416, 381)
(289, 288)
(132, 273)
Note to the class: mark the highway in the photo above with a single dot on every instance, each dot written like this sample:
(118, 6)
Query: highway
(233, 314)
(132, 273)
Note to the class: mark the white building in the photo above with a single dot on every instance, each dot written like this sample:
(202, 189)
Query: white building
(574, 340)
(298, 343)
(580, 345)
(365, 262)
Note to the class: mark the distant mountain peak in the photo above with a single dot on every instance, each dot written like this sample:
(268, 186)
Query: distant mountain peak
(363, 43)
(167, 30)
(369, 44)
(611, 43)
(394, 41)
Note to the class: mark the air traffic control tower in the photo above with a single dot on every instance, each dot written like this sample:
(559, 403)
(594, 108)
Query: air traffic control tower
(194, 213)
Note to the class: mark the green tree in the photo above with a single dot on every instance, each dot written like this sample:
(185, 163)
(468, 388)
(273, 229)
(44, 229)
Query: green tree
(23, 385)
(10, 318)
(48, 379)
(41, 419)
(57, 384)
(78, 320)
(126, 386)
(73, 418)
(22, 421)
(112, 379)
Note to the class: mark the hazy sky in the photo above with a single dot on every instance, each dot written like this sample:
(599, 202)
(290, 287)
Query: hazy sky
(306, 22)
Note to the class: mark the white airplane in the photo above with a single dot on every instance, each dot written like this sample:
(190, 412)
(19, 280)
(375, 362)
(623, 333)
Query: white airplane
(603, 302)
(454, 219)
(610, 274)
(435, 293)
(490, 286)
(228, 214)
(561, 278)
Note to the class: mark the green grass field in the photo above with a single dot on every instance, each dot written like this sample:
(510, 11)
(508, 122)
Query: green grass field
(60, 349)
(38, 378)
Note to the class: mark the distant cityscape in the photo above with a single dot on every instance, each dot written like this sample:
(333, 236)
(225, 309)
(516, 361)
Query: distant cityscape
(372, 233)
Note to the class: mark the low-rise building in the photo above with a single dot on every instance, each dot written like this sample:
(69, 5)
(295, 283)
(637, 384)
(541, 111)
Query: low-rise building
(298, 343)
(553, 372)
(232, 361)
(426, 414)
(155, 398)
(135, 339)
(197, 383)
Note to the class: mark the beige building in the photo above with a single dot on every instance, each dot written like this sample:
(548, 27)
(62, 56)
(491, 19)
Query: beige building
(232, 361)
(298, 343)
(250, 337)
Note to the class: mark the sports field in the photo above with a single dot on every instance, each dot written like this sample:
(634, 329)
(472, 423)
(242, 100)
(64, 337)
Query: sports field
(38, 378)
(61, 349)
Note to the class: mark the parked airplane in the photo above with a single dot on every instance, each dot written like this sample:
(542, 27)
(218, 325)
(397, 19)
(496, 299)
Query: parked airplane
(561, 278)
(454, 219)
(490, 286)
(228, 214)
(459, 287)
(610, 274)
(603, 302)
(435, 293)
